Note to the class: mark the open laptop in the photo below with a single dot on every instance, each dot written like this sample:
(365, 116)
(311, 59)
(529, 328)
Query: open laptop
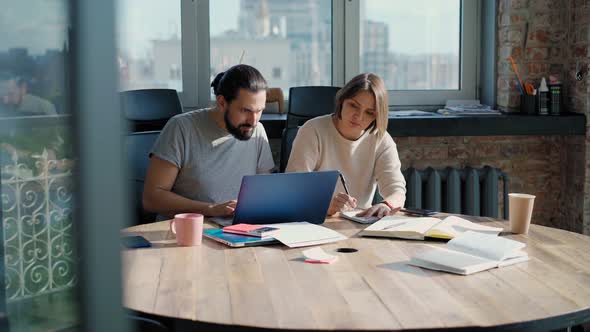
(283, 197)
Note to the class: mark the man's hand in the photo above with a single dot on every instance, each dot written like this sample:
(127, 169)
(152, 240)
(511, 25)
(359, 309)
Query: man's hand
(222, 209)
(341, 202)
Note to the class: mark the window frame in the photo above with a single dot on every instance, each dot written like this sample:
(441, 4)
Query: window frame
(345, 54)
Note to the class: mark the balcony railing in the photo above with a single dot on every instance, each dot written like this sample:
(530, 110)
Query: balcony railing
(37, 203)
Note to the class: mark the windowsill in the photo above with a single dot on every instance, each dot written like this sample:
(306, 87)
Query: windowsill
(400, 126)
(34, 121)
(466, 125)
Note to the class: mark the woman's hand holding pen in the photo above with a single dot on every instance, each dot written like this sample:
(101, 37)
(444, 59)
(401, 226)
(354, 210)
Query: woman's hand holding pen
(341, 201)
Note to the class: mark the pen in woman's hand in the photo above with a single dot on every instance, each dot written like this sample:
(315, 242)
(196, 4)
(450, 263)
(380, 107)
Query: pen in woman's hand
(344, 184)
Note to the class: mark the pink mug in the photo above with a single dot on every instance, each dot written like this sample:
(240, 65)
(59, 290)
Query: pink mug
(188, 228)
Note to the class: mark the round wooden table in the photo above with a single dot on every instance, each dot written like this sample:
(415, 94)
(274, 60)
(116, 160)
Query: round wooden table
(372, 289)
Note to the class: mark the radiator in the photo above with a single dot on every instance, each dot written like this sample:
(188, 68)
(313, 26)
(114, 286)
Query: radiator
(471, 191)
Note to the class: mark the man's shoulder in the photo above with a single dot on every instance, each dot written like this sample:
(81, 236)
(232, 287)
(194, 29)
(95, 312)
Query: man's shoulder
(192, 115)
(191, 119)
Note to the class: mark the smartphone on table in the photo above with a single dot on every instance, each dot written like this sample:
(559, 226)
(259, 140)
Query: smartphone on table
(419, 212)
(135, 241)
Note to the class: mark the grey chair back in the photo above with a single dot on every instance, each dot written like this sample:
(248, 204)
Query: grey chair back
(146, 111)
(149, 109)
(138, 147)
(307, 102)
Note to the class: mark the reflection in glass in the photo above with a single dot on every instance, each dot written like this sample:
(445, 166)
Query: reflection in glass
(149, 54)
(412, 45)
(36, 162)
(290, 42)
(17, 99)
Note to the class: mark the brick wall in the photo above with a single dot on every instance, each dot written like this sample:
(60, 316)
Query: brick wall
(535, 34)
(550, 37)
(579, 101)
(531, 162)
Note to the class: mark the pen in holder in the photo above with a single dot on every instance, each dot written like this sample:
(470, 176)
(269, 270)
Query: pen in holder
(528, 104)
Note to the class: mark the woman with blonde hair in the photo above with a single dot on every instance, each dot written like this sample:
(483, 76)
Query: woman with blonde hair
(354, 140)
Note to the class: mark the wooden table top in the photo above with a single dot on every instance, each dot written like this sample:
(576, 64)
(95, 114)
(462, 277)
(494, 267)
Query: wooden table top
(372, 289)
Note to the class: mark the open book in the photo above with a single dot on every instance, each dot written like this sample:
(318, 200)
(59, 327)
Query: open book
(471, 252)
(417, 228)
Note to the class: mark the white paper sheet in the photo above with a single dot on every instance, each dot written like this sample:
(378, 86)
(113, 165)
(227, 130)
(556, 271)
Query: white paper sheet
(300, 234)
(318, 254)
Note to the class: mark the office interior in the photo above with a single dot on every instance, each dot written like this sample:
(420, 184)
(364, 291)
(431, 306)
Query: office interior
(64, 65)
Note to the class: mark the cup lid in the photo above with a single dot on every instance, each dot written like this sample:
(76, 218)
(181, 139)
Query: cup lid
(188, 216)
(519, 195)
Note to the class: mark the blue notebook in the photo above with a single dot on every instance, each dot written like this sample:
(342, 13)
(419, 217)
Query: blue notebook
(236, 240)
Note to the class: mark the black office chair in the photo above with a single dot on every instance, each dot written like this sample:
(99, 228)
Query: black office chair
(137, 323)
(149, 109)
(305, 102)
(138, 147)
(146, 324)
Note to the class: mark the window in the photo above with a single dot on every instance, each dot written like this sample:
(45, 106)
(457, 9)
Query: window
(290, 42)
(425, 50)
(39, 258)
(149, 45)
(412, 45)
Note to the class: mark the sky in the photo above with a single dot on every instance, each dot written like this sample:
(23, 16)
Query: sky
(38, 30)
(434, 23)
(418, 26)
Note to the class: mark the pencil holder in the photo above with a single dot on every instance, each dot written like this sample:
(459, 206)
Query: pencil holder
(555, 98)
(528, 104)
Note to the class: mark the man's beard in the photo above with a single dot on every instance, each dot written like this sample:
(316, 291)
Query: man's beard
(235, 130)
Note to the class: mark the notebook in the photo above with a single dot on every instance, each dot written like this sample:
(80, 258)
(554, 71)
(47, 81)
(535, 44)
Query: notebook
(283, 197)
(251, 230)
(471, 252)
(418, 228)
(235, 240)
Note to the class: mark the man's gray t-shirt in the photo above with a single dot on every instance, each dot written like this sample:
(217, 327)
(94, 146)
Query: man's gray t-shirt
(211, 161)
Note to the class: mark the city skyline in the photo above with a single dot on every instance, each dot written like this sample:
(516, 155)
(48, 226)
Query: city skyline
(300, 31)
(46, 29)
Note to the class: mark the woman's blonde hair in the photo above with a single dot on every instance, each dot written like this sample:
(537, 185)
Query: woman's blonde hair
(373, 84)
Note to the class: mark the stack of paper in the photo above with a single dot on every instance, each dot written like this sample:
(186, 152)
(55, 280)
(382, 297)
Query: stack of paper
(318, 256)
(410, 113)
(467, 107)
(300, 234)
